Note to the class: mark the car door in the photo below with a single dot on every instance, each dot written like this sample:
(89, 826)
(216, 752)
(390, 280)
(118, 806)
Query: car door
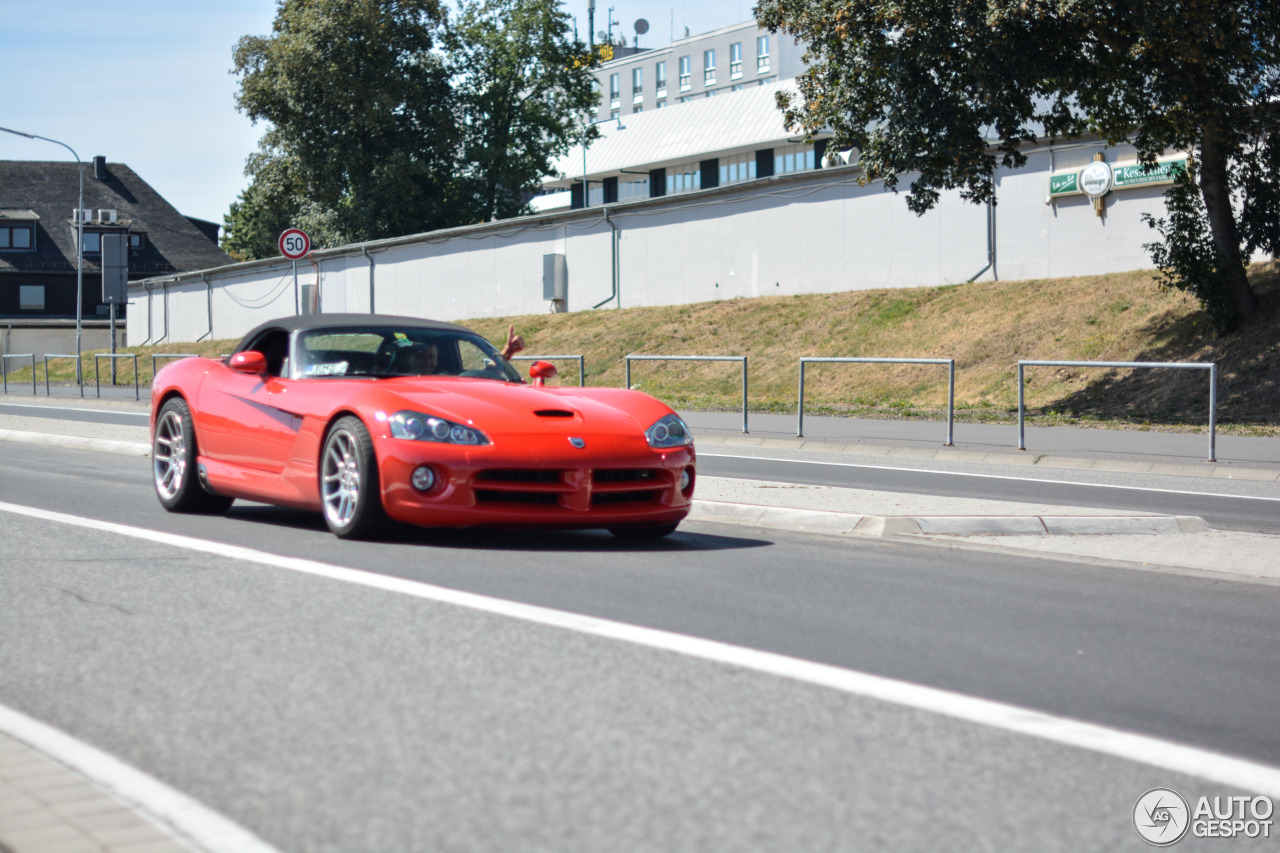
(240, 421)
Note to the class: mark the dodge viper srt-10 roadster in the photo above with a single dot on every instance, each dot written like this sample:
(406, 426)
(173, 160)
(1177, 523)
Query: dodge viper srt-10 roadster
(365, 418)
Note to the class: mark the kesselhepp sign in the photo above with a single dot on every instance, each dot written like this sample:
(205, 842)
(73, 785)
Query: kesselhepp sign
(1092, 179)
(295, 244)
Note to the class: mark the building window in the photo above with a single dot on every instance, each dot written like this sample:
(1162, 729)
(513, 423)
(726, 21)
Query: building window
(735, 60)
(637, 85)
(31, 297)
(615, 91)
(684, 178)
(638, 108)
(16, 237)
(660, 104)
(613, 114)
(92, 242)
(136, 242)
(684, 73)
(762, 55)
(633, 189)
(709, 67)
(660, 78)
(737, 168)
(793, 158)
(765, 81)
(710, 93)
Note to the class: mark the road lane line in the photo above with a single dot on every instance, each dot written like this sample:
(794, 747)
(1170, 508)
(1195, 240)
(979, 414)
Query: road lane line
(146, 415)
(188, 819)
(1175, 757)
(702, 455)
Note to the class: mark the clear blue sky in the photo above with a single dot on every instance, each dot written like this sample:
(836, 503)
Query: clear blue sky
(148, 82)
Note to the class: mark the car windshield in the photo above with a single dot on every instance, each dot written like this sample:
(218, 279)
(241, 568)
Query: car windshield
(384, 351)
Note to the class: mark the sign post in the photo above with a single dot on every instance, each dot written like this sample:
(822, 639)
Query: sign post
(295, 245)
(115, 282)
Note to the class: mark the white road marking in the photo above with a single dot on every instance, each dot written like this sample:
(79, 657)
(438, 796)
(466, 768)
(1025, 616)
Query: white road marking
(188, 819)
(702, 455)
(1175, 757)
(146, 415)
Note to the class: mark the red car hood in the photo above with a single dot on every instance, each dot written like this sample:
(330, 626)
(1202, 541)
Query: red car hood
(506, 408)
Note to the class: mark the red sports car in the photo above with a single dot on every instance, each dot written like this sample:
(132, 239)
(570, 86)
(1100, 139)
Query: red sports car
(367, 417)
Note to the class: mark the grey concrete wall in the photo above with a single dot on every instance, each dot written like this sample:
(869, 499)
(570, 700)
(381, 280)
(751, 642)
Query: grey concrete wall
(817, 232)
(40, 340)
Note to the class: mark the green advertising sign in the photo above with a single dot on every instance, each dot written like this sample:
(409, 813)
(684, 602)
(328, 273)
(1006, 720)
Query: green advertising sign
(1135, 175)
(1065, 184)
(1123, 177)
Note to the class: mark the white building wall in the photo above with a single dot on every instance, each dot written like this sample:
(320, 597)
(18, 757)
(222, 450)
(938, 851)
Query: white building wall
(813, 233)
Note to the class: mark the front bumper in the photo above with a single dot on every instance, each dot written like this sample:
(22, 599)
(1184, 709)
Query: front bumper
(539, 481)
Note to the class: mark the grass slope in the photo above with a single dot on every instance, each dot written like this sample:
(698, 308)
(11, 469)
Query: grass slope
(985, 326)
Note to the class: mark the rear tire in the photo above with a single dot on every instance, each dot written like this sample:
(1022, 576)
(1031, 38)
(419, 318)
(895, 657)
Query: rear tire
(350, 489)
(634, 533)
(173, 463)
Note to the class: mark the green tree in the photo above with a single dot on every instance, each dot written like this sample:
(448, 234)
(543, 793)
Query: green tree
(520, 81)
(364, 128)
(922, 87)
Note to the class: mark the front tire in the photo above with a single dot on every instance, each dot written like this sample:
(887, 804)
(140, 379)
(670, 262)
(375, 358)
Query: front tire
(173, 463)
(350, 489)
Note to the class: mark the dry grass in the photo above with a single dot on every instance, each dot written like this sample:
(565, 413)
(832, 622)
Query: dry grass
(985, 326)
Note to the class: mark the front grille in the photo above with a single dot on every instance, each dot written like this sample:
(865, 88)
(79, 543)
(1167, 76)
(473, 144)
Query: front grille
(633, 497)
(626, 475)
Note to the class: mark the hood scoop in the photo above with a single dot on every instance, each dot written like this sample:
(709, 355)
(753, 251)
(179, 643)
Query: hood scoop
(553, 413)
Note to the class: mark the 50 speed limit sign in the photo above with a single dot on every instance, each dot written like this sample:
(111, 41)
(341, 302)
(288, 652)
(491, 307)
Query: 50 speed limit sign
(295, 244)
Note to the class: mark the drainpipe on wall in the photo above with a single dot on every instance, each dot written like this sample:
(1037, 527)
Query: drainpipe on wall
(991, 243)
(147, 290)
(314, 307)
(164, 288)
(613, 259)
(208, 292)
(364, 250)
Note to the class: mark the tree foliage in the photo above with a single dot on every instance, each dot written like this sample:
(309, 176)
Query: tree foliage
(520, 84)
(386, 119)
(953, 89)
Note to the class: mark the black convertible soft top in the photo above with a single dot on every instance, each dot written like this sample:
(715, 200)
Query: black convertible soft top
(334, 321)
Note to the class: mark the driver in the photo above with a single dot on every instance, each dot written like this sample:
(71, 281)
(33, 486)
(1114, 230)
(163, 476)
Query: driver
(424, 360)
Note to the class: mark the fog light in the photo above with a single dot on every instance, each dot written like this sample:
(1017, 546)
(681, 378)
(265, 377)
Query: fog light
(424, 478)
(685, 478)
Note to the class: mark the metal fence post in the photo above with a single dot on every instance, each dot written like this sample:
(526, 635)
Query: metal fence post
(800, 407)
(1213, 411)
(1022, 437)
(744, 395)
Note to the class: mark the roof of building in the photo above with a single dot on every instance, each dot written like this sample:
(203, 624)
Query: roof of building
(49, 191)
(736, 122)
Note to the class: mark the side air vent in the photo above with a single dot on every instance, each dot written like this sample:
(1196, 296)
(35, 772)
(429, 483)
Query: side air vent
(553, 413)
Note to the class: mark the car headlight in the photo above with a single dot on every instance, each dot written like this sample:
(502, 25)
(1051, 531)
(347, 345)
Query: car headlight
(669, 431)
(418, 426)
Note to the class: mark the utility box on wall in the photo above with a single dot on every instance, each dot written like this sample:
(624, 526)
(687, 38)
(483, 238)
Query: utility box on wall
(555, 281)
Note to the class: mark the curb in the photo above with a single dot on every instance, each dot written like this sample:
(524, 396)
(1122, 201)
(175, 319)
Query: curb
(846, 523)
(76, 442)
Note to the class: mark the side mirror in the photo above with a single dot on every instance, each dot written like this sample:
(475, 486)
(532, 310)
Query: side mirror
(542, 371)
(250, 362)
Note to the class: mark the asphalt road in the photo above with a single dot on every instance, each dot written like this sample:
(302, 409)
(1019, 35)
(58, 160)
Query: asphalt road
(326, 716)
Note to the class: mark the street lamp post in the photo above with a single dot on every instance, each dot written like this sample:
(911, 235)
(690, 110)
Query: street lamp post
(586, 201)
(79, 241)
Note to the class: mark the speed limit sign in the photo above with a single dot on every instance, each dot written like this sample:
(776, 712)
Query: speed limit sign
(294, 244)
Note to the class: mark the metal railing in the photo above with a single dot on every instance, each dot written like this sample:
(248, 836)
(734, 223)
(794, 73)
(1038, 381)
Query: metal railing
(4, 368)
(742, 358)
(1212, 367)
(582, 373)
(951, 385)
(79, 369)
(157, 355)
(97, 374)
